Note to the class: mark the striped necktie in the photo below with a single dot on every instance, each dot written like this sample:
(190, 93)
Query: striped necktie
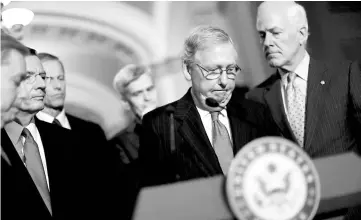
(35, 167)
(221, 142)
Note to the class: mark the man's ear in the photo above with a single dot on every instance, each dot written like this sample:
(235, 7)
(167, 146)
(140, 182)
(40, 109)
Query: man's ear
(303, 35)
(186, 71)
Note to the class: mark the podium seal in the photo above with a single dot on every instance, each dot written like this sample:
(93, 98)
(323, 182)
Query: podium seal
(272, 178)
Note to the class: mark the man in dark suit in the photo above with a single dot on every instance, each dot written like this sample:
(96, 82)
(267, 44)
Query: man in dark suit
(315, 104)
(35, 179)
(207, 134)
(320, 108)
(104, 172)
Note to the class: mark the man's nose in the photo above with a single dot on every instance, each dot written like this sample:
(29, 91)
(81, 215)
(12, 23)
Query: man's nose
(40, 82)
(57, 84)
(268, 41)
(146, 96)
(223, 79)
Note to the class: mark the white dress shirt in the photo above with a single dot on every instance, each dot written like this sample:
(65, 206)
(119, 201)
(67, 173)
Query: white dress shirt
(14, 130)
(300, 81)
(207, 122)
(48, 118)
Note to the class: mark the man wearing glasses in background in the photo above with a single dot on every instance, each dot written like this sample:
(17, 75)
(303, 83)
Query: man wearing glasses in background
(209, 127)
(40, 183)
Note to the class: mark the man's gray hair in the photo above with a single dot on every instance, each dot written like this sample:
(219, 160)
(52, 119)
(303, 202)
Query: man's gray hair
(44, 57)
(295, 12)
(127, 75)
(298, 16)
(200, 38)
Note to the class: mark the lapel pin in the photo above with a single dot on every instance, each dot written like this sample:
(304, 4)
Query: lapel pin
(322, 82)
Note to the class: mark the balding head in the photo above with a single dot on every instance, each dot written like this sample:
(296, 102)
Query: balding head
(283, 30)
(291, 12)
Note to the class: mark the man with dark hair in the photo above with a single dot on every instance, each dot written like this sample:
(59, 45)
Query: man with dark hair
(13, 72)
(104, 171)
(37, 176)
(209, 127)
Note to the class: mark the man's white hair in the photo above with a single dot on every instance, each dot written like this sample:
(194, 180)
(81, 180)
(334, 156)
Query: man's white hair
(127, 75)
(295, 12)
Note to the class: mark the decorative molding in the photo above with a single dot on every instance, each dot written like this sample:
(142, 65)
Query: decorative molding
(82, 38)
(117, 20)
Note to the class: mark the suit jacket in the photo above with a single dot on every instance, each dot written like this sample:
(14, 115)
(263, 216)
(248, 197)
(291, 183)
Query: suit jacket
(333, 107)
(20, 198)
(104, 184)
(194, 156)
(127, 143)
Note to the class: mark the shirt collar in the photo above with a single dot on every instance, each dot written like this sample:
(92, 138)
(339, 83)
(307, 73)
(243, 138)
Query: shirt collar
(301, 69)
(45, 117)
(48, 118)
(62, 117)
(204, 113)
(14, 130)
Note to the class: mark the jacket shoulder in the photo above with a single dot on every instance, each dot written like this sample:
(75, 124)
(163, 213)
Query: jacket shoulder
(256, 93)
(158, 113)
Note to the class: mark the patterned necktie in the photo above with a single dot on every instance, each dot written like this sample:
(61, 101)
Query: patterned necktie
(221, 143)
(35, 167)
(56, 122)
(295, 108)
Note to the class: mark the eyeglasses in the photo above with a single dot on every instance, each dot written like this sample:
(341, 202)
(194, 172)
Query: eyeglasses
(216, 73)
(31, 77)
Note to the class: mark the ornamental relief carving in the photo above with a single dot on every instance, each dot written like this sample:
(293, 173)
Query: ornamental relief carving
(81, 38)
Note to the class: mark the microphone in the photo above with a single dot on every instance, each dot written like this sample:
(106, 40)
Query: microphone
(170, 110)
(211, 102)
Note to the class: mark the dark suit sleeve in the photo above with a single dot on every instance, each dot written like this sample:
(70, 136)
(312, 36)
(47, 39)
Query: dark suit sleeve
(152, 167)
(355, 93)
(267, 123)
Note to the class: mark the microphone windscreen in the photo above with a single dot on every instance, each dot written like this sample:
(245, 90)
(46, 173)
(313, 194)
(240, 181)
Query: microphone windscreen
(170, 109)
(211, 102)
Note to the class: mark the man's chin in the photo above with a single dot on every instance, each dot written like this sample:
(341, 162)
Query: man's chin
(275, 63)
(56, 105)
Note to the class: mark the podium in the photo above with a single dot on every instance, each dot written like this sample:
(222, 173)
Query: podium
(340, 178)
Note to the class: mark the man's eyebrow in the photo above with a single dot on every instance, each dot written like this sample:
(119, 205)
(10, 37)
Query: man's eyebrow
(30, 72)
(275, 28)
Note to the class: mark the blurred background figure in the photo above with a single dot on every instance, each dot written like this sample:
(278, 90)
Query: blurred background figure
(104, 170)
(135, 86)
(13, 72)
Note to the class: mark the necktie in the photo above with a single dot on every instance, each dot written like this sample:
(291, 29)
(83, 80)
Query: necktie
(221, 143)
(295, 108)
(56, 122)
(35, 166)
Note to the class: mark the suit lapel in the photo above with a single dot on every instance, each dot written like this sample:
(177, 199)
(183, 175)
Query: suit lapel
(235, 125)
(193, 132)
(315, 98)
(57, 158)
(273, 97)
(21, 176)
(9, 151)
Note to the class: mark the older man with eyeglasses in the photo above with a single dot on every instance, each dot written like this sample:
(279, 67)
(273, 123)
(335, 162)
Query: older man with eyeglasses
(41, 180)
(198, 135)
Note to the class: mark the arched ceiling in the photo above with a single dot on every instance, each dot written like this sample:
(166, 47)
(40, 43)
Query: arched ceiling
(94, 40)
